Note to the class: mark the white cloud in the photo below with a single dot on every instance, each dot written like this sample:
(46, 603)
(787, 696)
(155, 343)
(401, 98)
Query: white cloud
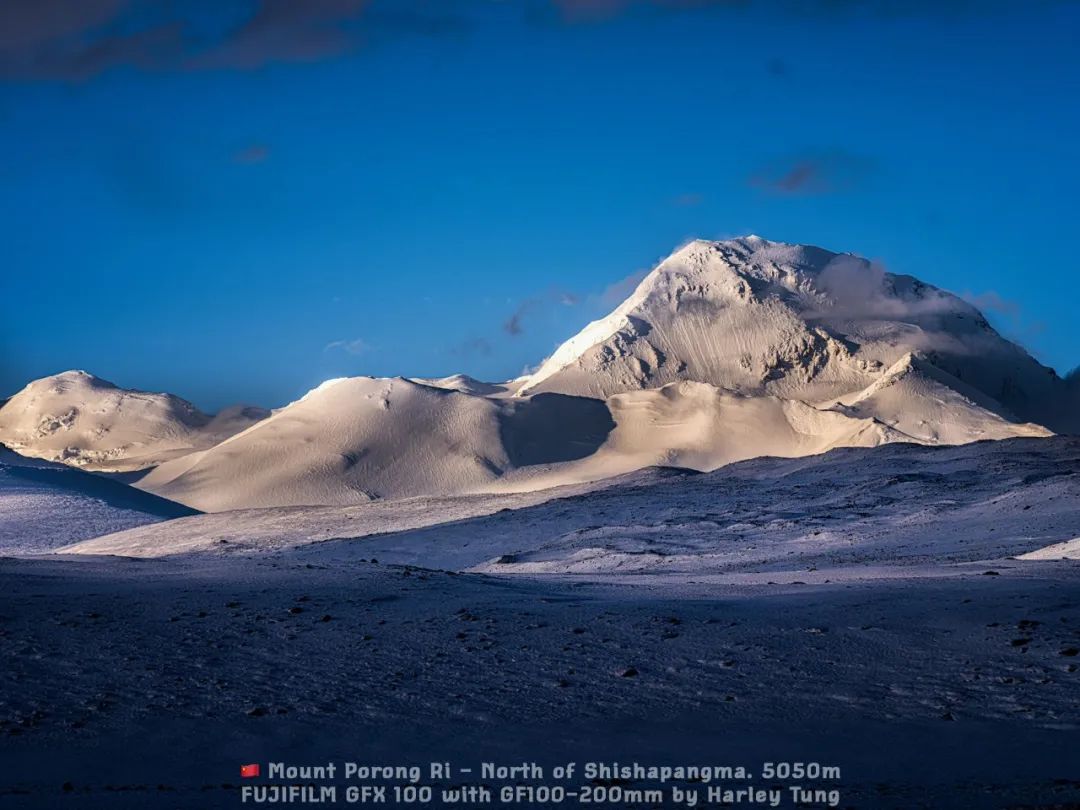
(355, 346)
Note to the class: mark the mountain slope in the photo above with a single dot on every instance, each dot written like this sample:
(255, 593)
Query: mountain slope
(357, 439)
(84, 421)
(701, 427)
(924, 403)
(44, 505)
(900, 503)
(796, 322)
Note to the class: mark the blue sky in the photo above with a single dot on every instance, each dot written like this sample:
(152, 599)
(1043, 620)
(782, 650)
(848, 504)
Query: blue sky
(235, 205)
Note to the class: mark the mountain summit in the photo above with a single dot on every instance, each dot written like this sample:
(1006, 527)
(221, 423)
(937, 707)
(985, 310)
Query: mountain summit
(797, 322)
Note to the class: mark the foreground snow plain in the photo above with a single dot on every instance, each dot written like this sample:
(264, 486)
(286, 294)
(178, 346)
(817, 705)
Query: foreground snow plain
(864, 609)
(146, 684)
(898, 504)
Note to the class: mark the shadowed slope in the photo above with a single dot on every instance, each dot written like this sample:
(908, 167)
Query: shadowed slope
(44, 505)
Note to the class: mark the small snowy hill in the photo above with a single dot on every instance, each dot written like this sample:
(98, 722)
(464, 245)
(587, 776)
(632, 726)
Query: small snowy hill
(357, 439)
(796, 322)
(84, 421)
(44, 505)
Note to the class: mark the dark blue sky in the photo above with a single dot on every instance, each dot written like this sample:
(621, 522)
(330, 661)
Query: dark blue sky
(236, 206)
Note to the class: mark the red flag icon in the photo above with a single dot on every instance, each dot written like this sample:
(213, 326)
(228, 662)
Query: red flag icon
(249, 771)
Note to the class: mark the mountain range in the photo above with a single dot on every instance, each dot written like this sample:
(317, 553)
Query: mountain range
(726, 351)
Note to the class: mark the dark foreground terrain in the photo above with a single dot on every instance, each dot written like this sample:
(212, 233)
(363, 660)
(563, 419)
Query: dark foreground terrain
(148, 683)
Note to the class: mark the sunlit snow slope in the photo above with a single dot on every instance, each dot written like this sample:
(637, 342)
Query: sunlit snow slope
(84, 421)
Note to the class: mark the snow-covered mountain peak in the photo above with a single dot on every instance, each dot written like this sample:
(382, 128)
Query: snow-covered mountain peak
(701, 290)
(793, 321)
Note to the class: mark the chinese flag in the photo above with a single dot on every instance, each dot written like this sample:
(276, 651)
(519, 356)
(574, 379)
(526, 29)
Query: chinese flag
(249, 771)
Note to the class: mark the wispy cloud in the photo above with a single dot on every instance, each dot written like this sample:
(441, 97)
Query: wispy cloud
(617, 292)
(253, 153)
(355, 346)
(864, 290)
(515, 324)
(597, 11)
(60, 39)
(688, 200)
(860, 289)
(472, 346)
(991, 301)
(80, 39)
(813, 173)
(1008, 315)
